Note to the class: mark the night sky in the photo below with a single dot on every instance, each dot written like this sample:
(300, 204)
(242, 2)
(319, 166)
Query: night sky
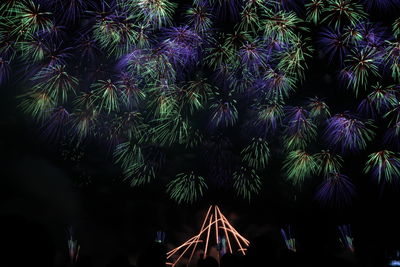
(57, 184)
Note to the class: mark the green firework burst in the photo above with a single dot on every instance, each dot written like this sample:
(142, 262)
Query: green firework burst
(339, 12)
(299, 165)
(256, 155)
(328, 163)
(246, 182)
(28, 17)
(281, 25)
(38, 105)
(56, 81)
(186, 187)
(396, 27)
(314, 10)
(173, 129)
(384, 165)
(108, 94)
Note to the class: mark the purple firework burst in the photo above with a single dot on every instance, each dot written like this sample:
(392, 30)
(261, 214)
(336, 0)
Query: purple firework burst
(373, 35)
(181, 44)
(55, 128)
(382, 5)
(337, 190)
(333, 44)
(4, 70)
(392, 136)
(348, 133)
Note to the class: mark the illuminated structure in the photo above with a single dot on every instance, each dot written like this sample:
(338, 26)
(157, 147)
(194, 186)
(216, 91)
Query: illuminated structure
(215, 225)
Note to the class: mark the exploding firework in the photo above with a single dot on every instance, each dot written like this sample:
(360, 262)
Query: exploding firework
(267, 117)
(382, 5)
(348, 133)
(396, 27)
(54, 128)
(224, 113)
(250, 20)
(314, 10)
(392, 58)
(362, 64)
(278, 86)
(333, 44)
(392, 136)
(186, 187)
(130, 157)
(246, 182)
(339, 12)
(289, 239)
(336, 190)
(346, 237)
(171, 130)
(318, 109)
(300, 130)
(384, 166)
(73, 247)
(281, 25)
(256, 154)
(299, 165)
(4, 70)
(107, 93)
(124, 73)
(379, 101)
(38, 105)
(199, 17)
(115, 33)
(154, 12)
(328, 163)
(56, 82)
(29, 17)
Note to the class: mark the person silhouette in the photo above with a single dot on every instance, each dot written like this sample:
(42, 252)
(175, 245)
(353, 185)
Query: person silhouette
(27, 243)
(153, 256)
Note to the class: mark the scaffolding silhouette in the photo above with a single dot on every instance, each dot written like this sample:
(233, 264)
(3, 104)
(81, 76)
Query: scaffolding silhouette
(216, 222)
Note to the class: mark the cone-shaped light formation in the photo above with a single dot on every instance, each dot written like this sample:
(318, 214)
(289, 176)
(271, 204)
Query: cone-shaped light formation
(215, 229)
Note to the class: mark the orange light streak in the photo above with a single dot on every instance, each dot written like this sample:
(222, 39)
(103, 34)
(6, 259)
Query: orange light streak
(214, 220)
(208, 236)
(198, 236)
(226, 233)
(235, 236)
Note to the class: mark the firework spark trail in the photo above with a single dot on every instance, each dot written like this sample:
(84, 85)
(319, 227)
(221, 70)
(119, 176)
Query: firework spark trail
(73, 246)
(346, 237)
(384, 166)
(290, 241)
(336, 190)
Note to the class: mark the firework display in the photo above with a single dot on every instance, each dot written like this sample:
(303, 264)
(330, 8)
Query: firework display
(384, 165)
(346, 237)
(158, 80)
(336, 190)
(73, 247)
(290, 241)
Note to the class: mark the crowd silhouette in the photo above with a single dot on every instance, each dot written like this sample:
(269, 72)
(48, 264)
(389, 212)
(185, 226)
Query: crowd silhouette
(27, 243)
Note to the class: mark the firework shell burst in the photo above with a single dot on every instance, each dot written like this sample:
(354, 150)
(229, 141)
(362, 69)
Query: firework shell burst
(186, 188)
(230, 79)
(384, 166)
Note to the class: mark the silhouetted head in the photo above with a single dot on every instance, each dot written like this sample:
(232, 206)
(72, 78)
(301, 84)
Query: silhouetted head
(26, 243)
(208, 262)
(119, 260)
(262, 250)
(230, 260)
(153, 256)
